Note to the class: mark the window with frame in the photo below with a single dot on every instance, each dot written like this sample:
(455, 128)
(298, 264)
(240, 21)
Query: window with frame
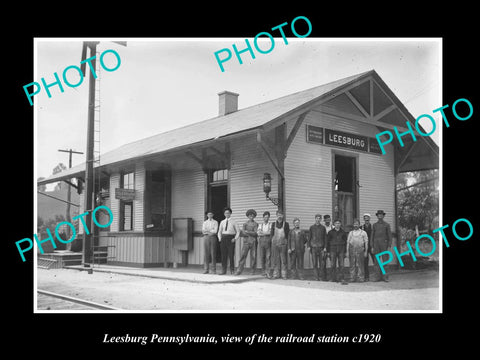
(126, 206)
(128, 181)
(126, 215)
(219, 175)
(158, 200)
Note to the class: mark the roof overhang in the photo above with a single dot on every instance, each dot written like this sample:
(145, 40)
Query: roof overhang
(364, 98)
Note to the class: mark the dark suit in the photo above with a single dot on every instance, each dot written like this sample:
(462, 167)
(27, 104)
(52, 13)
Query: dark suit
(336, 247)
(368, 230)
(381, 241)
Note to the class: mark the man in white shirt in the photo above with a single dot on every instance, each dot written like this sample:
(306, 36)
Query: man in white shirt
(228, 233)
(209, 230)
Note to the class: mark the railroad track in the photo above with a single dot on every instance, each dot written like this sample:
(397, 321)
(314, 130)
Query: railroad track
(47, 300)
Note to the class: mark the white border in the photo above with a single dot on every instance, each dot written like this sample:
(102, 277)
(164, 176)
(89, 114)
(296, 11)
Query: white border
(308, 39)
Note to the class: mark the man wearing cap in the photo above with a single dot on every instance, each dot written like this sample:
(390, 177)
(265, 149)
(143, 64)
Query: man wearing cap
(316, 244)
(279, 233)
(265, 244)
(336, 248)
(381, 241)
(228, 233)
(249, 235)
(367, 227)
(209, 231)
(296, 249)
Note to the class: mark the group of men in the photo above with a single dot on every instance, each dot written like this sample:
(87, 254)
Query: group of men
(281, 249)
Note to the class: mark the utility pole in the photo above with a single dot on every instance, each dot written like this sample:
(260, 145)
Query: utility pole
(87, 250)
(69, 193)
(87, 239)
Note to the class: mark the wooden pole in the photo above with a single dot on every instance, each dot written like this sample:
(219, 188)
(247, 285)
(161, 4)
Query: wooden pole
(88, 197)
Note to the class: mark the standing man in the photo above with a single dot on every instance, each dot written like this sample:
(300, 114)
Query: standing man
(336, 248)
(381, 241)
(367, 227)
(265, 244)
(209, 231)
(279, 233)
(296, 249)
(328, 222)
(249, 234)
(228, 233)
(316, 244)
(357, 245)
(328, 226)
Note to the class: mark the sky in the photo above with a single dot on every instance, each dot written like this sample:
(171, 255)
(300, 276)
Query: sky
(165, 83)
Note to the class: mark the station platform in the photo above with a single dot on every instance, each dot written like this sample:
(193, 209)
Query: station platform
(188, 274)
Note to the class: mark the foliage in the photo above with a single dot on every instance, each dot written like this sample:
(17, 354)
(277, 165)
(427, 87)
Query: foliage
(419, 204)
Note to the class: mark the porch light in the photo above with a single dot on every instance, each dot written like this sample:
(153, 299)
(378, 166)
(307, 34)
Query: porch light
(267, 187)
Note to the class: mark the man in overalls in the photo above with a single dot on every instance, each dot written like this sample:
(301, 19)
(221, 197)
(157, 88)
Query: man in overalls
(249, 234)
(265, 244)
(279, 232)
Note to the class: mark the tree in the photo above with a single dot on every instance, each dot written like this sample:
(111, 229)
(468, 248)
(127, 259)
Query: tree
(418, 201)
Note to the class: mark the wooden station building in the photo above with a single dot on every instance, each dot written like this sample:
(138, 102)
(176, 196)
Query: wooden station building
(318, 145)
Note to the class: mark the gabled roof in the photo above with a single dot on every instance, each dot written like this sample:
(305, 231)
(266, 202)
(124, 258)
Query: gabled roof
(221, 126)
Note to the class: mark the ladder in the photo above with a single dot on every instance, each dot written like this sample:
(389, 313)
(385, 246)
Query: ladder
(97, 250)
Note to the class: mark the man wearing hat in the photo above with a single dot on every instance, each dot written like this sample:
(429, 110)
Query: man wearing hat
(367, 227)
(249, 234)
(316, 243)
(265, 244)
(381, 240)
(279, 233)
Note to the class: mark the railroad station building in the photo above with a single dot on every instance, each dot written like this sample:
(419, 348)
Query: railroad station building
(317, 146)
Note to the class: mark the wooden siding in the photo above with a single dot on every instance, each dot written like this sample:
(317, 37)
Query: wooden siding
(249, 163)
(188, 202)
(138, 214)
(126, 249)
(188, 195)
(114, 203)
(308, 169)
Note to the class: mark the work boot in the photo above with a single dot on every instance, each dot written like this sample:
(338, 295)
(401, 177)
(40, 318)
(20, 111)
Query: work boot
(205, 272)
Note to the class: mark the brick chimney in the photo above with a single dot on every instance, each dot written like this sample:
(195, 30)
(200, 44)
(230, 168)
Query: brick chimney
(227, 102)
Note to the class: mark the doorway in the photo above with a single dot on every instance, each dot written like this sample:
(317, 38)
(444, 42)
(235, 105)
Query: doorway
(217, 197)
(345, 201)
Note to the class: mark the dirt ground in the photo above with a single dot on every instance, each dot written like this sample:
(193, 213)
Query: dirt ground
(407, 290)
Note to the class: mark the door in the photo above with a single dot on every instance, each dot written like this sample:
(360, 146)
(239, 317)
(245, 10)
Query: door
(218, 197)
(345, 189)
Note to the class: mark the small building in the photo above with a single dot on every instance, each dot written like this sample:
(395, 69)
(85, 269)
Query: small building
(317, 145)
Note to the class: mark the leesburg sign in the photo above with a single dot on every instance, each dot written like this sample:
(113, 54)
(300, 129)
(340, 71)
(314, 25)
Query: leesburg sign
(318, 135)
